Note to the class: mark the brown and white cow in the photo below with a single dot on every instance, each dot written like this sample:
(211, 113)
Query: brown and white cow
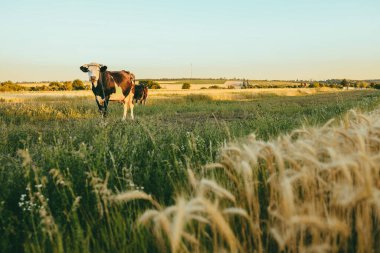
(105, 83)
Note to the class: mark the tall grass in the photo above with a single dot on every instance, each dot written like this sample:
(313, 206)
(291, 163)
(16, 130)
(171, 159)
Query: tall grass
(314, 190)
(72, 182)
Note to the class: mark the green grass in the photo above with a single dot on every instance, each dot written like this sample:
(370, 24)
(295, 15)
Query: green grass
(91, 155)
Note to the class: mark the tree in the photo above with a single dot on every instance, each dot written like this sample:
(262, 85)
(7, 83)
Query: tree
(361, 84)
(186, 86)
(78, 85)
(344, 83)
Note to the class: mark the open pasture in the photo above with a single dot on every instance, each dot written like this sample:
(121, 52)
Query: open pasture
(61, 164)
(173, 91)
(196, 84)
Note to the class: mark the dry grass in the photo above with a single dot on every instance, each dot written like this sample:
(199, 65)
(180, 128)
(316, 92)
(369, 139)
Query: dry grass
(314, 190)
(44, 95)
(218, 94)
(237, 94)
(206, 83)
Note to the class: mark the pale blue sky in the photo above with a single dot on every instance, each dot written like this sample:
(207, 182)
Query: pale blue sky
(274, 39)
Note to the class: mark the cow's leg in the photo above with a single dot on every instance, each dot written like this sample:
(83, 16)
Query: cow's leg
(131, 105)
(125, 110)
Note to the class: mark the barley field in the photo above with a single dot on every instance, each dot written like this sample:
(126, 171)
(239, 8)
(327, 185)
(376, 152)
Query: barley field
(205, 172)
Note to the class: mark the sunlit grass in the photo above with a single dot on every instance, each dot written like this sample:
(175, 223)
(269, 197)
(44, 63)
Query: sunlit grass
(62, 165)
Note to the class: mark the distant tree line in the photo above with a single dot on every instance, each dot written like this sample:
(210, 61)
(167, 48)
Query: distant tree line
(336, 83)
(10, 86)
(52, 86)
(333, 83)
(152, 84)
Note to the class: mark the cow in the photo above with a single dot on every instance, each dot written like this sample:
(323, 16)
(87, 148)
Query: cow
(105, 83)
(141, 94)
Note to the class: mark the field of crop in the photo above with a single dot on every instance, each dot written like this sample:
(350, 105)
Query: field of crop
(71, 181)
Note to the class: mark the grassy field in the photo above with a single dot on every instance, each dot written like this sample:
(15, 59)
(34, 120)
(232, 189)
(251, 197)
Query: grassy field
(194, 81)
(173, 91)
(196, 84)
(61, 164)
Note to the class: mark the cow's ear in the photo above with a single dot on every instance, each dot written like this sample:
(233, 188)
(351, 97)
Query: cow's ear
(83, 68)
(103, 68)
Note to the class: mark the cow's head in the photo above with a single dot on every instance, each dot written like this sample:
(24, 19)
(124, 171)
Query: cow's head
(93, 70)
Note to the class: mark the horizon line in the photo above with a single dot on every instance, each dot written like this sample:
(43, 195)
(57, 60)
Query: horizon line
(204, 78)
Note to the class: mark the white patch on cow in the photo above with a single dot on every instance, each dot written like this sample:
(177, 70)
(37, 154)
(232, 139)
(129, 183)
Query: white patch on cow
(119, 91)
(93, 72)
(118, 95)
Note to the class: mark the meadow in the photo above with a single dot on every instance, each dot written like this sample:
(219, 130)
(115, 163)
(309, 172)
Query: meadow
(196, 84)
(71, 181)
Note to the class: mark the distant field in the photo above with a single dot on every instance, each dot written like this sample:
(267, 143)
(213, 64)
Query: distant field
(239, 94)
(41, 84)
(272, 83)
(223, 83)
(198, 83)
(193, 81)
(174, 91)
(62, 164)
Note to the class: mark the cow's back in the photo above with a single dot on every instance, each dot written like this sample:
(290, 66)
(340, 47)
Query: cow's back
(125, 80)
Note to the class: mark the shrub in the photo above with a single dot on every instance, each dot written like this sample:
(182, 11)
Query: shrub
(78, 85)
(150, 84)
(40, 88)
(56, 86)
(315, 85)
(68, 85)
(215, 87)
(186, 86)
(10, 86)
